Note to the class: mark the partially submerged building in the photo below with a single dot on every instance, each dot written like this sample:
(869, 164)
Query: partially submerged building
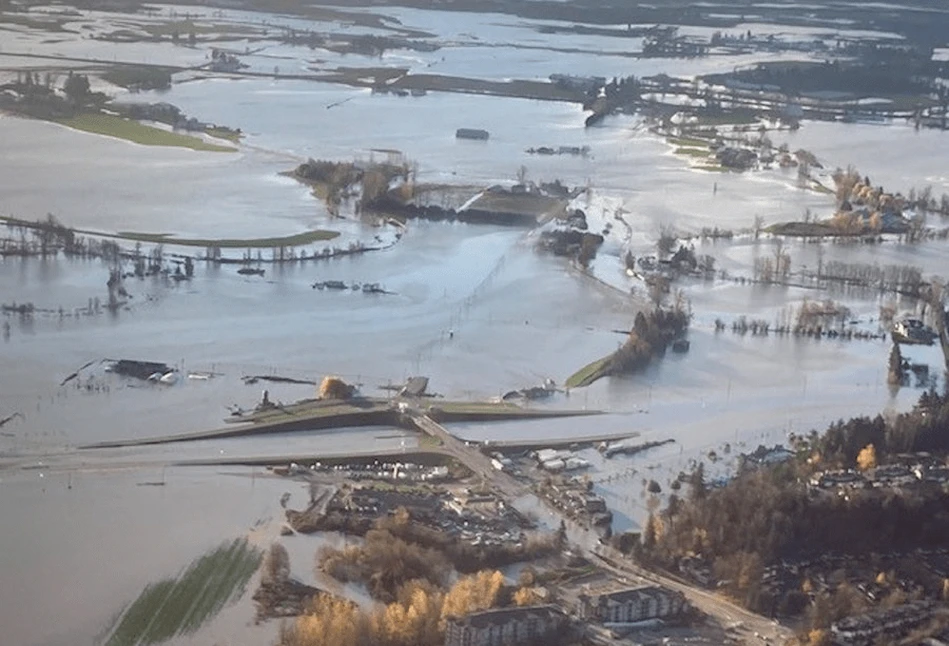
(472, 133)
(505, 626)
(912, 330)
(631, 605)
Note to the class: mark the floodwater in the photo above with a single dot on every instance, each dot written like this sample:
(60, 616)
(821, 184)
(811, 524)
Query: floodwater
(516, 317)
(77, 547)
(871, 150)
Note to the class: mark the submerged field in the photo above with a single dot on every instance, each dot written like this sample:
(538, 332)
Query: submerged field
(181, 605)
(473, 307)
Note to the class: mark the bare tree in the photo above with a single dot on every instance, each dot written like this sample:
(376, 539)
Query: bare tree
(658, 288)
(667, 239)
(758, 226)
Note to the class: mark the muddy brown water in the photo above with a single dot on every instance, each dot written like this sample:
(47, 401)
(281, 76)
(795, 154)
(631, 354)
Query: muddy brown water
(81, 538)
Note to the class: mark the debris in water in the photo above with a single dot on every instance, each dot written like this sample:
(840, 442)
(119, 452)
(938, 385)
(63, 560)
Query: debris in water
(75, 375)
(144, 370)
(365, 288)
(10, 418)
(253, 379)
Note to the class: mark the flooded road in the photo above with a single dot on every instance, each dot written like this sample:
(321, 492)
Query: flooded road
(474, 307)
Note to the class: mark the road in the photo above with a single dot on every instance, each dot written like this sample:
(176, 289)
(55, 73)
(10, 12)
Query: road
(754, 627)
(470, 456)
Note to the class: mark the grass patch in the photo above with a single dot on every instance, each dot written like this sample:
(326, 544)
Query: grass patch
(688, 142)
(804, 229)
(711, 168)
(588, 373)
(296, 240)
(693, 152)
(473, 408)
(139, 133)
(219, 132)
(180, 605)
(429, 442)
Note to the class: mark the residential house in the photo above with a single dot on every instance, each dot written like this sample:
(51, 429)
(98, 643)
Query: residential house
(891, 623)
(912, 330)
(631, 605)
(505, 626)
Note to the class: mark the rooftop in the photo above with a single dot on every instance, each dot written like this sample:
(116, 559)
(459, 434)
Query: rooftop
(501, 616)
(627, 594)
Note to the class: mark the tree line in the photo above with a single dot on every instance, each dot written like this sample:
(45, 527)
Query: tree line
(768, 515)
(408, 570)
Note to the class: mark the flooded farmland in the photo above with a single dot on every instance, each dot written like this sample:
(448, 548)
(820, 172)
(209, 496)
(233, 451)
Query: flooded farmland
(472, 306)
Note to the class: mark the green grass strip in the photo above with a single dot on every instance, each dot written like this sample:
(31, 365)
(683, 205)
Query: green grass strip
(693, 152)
(180, 606)
(296, 240)
(139, 133)
(688, 142)
(589, 373)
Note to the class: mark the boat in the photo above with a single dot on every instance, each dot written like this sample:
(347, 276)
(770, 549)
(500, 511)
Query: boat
(250, 271)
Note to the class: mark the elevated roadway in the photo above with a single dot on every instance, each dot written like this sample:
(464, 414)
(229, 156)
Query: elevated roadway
(754, 626)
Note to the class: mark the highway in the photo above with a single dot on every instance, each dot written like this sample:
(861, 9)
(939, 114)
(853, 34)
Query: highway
(752, 627)
(470, 456)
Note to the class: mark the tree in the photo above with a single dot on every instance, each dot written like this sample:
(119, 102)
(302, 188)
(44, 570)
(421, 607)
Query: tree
(867, 458)
(473, 593)
(375, 187)
(667, 239)
(658, 287)
(76, 88)
(276, 566)
(895, 369)
(697, 482)
(525, 597)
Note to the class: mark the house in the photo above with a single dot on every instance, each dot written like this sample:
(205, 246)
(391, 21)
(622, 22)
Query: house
(912, 330)
(891, 623)
(631, 605)
(505, 626)
(765, 456)
(835, 479)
